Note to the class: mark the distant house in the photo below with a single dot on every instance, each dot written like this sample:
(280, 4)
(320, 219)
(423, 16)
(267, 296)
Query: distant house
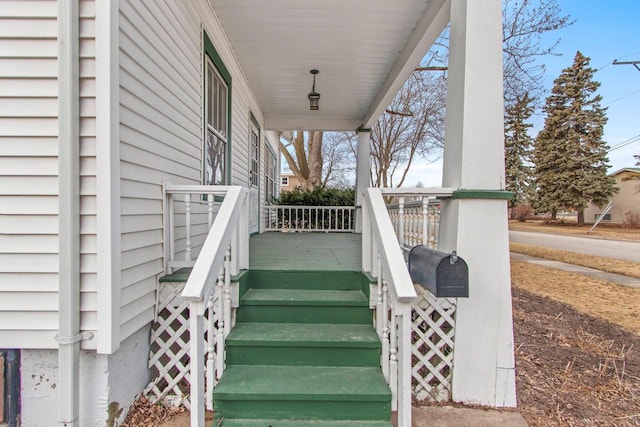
(289, 182)
(625, 203)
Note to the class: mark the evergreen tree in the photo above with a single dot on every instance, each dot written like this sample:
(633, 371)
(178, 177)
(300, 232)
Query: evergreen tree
(569, 153)
(518, 150)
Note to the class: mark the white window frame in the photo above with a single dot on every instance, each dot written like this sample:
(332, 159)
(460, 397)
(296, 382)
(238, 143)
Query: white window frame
(284, 181)
(222, 134)
(254, 154)
(270, 175)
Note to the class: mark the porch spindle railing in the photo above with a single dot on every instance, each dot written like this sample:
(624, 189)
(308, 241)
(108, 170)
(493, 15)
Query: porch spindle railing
(333, 219)
(383, 259)
(415, 215)
(223, 253)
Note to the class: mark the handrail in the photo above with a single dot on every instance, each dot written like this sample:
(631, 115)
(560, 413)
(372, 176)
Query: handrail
(387, 243)
(418, 192)
(225, 251)
(205, 270)
(383, 259)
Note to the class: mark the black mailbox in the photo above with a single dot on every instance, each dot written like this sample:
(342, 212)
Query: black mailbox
(443, 274)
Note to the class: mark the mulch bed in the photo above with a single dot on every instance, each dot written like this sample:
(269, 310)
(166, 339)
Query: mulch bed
(573, 369)
(143, 413)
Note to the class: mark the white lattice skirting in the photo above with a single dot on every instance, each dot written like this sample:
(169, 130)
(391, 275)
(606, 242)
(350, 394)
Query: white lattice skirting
(169, 359)
(433, 326)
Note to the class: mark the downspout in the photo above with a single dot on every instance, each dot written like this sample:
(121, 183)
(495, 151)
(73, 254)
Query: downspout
(12, 387)
(68, 336)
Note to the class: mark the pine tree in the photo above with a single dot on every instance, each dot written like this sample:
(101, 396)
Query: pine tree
(570, 156)
(518, 146)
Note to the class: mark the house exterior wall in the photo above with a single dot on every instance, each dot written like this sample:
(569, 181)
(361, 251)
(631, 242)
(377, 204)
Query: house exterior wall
(161, 128)
(88, 231)
(108, 383)
(28, 174)
(626, 200)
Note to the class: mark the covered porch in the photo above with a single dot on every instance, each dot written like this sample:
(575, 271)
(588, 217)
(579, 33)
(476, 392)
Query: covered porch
(357, 81)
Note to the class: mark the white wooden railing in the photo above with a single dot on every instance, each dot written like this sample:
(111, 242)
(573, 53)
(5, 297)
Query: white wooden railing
(415, 218)
(383, 259)
(333, 219)
(415, 215)
(224, 252)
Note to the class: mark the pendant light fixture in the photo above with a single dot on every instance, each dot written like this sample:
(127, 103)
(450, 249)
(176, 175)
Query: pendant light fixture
(314, 97)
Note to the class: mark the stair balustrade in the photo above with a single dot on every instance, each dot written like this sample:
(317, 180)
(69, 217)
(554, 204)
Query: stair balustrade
(223, 252)
(415, 218)
(383, 259)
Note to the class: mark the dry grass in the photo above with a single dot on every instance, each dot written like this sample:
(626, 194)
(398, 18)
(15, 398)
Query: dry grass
(598, 298)
(603, 231)
(610, 265)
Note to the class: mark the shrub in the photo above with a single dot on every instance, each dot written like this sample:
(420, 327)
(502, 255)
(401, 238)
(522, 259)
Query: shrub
(319, 196)
(631, 219)
(521, 213)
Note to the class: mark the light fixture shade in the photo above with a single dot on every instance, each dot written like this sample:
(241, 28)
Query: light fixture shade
(314, 101)
(314, 97)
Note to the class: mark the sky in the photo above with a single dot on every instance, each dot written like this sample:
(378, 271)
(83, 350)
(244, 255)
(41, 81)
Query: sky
(603, 31)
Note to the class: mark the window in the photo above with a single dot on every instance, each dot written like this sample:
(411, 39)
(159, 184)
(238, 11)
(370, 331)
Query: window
(271, 174)
(284, 181)
(254, 147)
(607, 217)
(216, 133)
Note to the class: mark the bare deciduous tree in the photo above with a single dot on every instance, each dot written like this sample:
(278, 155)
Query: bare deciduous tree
(412, 126)
(524, 22)
(306, 161)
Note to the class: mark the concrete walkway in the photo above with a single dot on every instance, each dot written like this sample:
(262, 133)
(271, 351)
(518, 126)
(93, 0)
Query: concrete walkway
(453, 416)
(628, 250)
(597, 274)
(422, 416)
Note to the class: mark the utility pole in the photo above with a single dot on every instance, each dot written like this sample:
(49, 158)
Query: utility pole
(634, 63)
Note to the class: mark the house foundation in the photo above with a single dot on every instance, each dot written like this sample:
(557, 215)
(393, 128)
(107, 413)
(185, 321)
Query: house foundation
(109, 384)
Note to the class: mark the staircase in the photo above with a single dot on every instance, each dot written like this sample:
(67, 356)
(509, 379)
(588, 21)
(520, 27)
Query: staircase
(303, 353)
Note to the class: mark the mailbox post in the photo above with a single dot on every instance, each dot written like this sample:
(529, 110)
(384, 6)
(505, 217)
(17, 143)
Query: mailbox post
(443, 274)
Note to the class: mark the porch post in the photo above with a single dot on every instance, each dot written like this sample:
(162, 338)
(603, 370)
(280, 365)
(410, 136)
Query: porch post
(363, 168)
(474, 220)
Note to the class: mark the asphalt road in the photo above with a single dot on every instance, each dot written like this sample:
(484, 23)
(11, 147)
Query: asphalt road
(618, 249)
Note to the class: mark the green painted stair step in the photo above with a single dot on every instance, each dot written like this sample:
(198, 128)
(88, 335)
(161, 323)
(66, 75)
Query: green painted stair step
(304, 306)
(303, 392)
(304, 297)
(327, 280)
(303, 344)
(302, 423)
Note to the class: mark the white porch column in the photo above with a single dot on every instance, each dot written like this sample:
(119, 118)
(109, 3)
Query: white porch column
(474, 221)
(363, 168)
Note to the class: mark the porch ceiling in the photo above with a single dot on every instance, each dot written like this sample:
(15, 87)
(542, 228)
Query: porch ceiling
(364, 50)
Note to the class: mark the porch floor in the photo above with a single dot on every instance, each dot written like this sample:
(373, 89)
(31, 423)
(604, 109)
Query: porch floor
(306, 251)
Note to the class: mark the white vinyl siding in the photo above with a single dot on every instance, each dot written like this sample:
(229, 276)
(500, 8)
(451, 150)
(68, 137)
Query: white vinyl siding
(88, 248)
(28, 174)
(161, 131)
(160, 134)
